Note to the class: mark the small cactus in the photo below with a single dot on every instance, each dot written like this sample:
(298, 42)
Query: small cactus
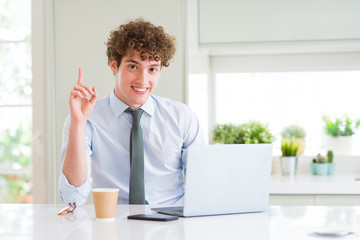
(320, 159)
(330, 156)
(323, 160)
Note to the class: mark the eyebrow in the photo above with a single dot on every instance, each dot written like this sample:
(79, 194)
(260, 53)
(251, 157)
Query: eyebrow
(136, 62)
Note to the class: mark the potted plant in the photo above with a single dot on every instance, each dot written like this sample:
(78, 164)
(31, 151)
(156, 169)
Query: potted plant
(338, 134)
(289, 159)
(250, 132)
(226, 134)
(323, 165)
(255, 132)
(247, 133)
(297, 132)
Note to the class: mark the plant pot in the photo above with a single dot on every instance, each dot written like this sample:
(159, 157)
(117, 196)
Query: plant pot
(322, 169)
(341, 145)
(331, 168)
(313, 169)
(289, 165)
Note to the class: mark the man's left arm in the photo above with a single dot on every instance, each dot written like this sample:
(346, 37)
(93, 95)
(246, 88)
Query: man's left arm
(193, 133)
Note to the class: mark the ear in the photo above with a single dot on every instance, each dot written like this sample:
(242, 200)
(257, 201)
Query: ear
(113, 66)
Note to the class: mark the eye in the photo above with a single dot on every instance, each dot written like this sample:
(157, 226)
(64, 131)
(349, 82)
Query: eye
(132, 67)
(153, 70)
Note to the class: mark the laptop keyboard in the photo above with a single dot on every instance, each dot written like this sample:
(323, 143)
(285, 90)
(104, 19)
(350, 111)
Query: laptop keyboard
(178, 210)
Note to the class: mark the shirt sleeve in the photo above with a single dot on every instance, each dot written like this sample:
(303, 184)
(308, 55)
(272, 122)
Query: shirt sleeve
(67, 192)
(193, 134)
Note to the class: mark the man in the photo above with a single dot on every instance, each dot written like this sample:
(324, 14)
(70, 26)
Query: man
(96, 148)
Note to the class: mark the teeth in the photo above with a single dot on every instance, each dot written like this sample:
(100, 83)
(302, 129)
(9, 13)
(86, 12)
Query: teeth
(140, 89)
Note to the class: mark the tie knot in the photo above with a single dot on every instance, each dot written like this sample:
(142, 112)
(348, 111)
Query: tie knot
(135, 113)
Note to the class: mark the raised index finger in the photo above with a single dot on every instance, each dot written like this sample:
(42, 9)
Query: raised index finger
(80, 79)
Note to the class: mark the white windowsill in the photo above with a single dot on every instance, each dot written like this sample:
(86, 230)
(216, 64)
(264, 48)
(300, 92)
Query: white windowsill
(309, 184)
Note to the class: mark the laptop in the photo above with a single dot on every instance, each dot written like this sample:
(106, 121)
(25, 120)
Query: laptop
(225, 179)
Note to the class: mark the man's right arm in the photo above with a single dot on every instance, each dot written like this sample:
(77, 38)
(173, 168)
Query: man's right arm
(74, 166)
(68, 191)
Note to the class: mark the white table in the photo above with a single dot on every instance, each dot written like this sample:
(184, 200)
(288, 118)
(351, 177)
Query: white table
(20, 221)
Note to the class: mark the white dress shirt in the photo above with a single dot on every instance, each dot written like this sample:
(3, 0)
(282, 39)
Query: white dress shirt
(168, 127)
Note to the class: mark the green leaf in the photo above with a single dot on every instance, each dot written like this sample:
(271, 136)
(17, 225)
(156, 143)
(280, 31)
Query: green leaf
(293, 131)
(289, 147)
(251, 132)
(343, 126)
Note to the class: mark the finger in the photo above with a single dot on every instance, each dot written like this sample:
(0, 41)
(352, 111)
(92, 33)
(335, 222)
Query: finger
(80, 79)
(87, 87)
(76, 94)
(81, 89)
(94, 96)
(95, 92)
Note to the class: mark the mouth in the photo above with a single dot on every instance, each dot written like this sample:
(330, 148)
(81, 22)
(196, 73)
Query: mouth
(140, 89)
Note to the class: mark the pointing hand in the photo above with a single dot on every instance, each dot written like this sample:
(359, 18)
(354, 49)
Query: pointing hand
(80, 106)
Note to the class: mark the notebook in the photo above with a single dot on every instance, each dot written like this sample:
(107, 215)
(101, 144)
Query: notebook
(225, 179)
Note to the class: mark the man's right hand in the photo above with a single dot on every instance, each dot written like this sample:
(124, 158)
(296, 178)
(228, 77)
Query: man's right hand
(80, 106)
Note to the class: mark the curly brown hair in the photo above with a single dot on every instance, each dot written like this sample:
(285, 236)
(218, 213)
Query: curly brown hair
(141, 36)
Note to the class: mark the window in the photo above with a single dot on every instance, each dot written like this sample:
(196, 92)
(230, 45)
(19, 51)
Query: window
(15, 102)
(284, 98)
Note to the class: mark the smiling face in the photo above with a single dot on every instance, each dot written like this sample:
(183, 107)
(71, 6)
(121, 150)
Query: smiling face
(135, 79)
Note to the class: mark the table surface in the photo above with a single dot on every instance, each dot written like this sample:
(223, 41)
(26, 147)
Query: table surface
(40, 221)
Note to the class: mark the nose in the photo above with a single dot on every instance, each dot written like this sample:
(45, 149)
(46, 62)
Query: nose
(142, 76)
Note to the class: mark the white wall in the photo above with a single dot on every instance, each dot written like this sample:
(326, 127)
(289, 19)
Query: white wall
(196, 63)
(279, 26)
(278, 20)
(80, 30)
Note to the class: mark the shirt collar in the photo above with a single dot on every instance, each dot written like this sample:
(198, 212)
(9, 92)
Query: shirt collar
(118, 106)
